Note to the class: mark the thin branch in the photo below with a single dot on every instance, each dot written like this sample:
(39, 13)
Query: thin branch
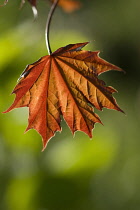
(48, 25)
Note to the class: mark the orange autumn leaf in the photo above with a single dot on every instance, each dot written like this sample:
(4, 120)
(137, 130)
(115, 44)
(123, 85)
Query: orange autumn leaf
(64, 83)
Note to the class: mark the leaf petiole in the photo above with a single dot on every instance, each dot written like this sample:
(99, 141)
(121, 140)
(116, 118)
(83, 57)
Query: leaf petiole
(47, 30)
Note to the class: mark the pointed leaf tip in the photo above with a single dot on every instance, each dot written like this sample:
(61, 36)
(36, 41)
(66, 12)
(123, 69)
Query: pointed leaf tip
(35, 12)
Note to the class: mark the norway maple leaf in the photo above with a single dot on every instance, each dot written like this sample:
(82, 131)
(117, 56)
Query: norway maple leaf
(64, 83)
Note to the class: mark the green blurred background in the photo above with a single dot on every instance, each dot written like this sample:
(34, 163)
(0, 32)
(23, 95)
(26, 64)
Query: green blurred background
(72, 173)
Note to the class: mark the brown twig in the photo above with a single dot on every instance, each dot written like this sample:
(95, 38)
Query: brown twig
(51, 12)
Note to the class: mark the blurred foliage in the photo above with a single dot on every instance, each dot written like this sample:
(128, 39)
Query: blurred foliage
(72, 173)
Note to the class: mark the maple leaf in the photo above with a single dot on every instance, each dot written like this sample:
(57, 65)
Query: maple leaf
(64, 83)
